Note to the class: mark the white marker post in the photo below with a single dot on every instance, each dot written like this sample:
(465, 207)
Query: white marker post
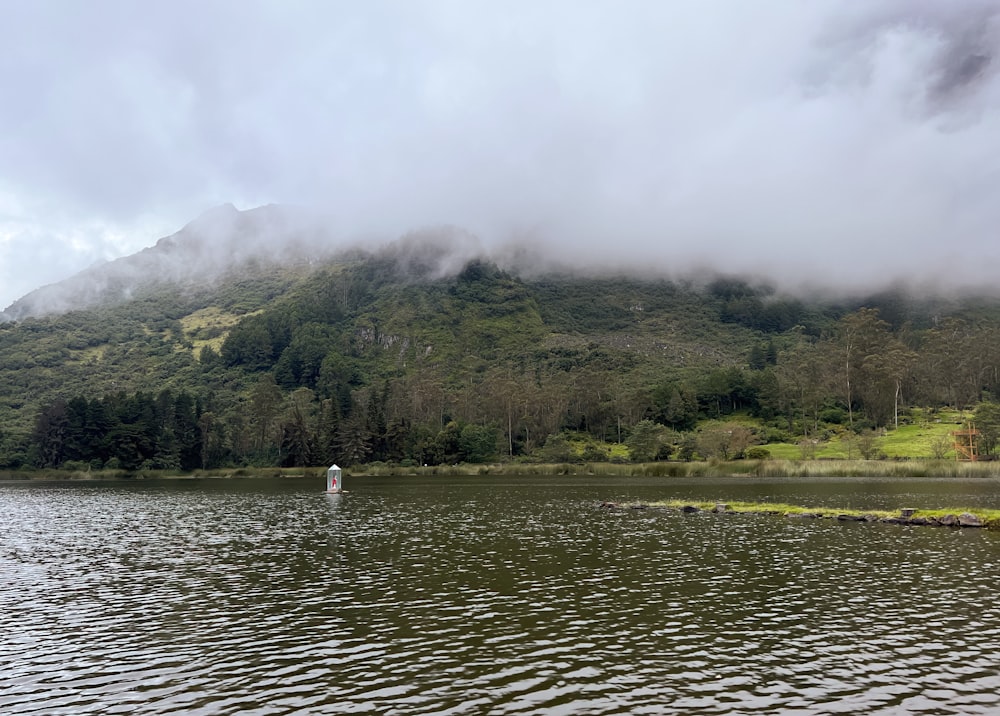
(333, 479)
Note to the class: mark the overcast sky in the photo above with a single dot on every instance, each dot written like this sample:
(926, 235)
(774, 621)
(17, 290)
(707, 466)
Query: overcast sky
(852, 141)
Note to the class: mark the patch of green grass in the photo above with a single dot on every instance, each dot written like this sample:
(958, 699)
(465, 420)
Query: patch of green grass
(778, 508)
(921, 440)
(209, 327)
(990, 518)
(89, 355)
(618, 450)
(926, 436)
(784, 451)
(836, 449)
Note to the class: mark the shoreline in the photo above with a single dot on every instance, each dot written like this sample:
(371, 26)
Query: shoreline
(708, 468)
(769, 468)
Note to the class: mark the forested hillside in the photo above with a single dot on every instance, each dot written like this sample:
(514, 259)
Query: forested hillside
(379, 357)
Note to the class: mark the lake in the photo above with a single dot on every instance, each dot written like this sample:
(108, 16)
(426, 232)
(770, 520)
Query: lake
(491, 596)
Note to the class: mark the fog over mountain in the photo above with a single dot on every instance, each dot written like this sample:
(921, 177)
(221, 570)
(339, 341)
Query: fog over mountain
(220, 240)
(823, 144)
(225, 241)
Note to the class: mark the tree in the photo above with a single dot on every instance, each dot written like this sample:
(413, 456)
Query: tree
(477, 443)
(725, 441)
(807, 375)
(723, 391)
(265, 402)
(249, 345)
(131, 445)
(213, 440)
(558, 448)
(857, 332)
(76, 445)
(400, 441)
(687, 447)
(296, 429)
(677, 405)
(301, 363)
(328, 432)
(644, 441)
(184, 423)
(443, 448)
(987, 422)
(585, 395)
(886, 372)
(353, 442)
(375, 421)
(13, 451)
(49, 435)
(876, 364)
(867, 445)
(956, 362)
(98, 424)
(503, 396)
(770, 399)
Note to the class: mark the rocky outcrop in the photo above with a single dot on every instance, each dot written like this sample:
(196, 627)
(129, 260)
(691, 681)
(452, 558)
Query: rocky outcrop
(968, 520)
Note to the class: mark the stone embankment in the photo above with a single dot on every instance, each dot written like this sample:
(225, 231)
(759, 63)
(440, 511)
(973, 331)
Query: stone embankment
(906, 516)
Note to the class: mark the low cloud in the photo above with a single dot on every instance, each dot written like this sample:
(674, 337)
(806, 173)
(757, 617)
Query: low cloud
(816, 143)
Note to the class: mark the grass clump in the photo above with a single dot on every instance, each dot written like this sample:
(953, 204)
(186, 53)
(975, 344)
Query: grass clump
(990, 518)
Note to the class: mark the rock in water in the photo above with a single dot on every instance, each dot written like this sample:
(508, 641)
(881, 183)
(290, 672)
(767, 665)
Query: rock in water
(969, 520)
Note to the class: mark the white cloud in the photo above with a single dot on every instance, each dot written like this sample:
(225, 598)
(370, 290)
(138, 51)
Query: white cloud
(775, 135)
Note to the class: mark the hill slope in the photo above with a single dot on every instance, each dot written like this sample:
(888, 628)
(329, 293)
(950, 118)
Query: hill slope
(414, 352)
(214, 245)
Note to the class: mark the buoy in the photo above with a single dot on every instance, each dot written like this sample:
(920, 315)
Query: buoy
(334, 479)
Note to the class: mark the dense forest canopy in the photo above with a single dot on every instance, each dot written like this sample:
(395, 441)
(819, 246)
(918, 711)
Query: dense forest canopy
(377, 357)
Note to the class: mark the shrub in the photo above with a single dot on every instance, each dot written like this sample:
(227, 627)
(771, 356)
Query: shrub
(758, 453)
(837, 416)
(595, 453)
(664, 452)
(557, 448)
(777, 435)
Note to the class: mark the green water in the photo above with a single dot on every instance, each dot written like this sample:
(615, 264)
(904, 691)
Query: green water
(490, 596)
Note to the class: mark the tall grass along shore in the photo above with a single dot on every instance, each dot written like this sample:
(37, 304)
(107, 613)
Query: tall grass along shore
(711, 468)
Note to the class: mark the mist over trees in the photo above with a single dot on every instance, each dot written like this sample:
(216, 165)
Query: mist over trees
(380, 358)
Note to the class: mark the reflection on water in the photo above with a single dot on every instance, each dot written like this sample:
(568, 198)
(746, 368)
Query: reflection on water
(489, 597)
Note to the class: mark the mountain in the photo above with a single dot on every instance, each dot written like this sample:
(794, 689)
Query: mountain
(260, 338)
(219, 241)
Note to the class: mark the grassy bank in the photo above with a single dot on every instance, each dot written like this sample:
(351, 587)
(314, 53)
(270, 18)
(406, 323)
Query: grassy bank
(711, 468)
(990, 519)
(750, 468)
(222, 473)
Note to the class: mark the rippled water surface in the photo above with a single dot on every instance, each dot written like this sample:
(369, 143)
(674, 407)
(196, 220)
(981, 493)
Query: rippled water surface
(490, 596)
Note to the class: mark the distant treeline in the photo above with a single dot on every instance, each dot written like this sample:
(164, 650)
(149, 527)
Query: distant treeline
(361, 363)
(857, 378)
(177, 432)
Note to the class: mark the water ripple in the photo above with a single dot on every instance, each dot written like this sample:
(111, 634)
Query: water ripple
(259, 598)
